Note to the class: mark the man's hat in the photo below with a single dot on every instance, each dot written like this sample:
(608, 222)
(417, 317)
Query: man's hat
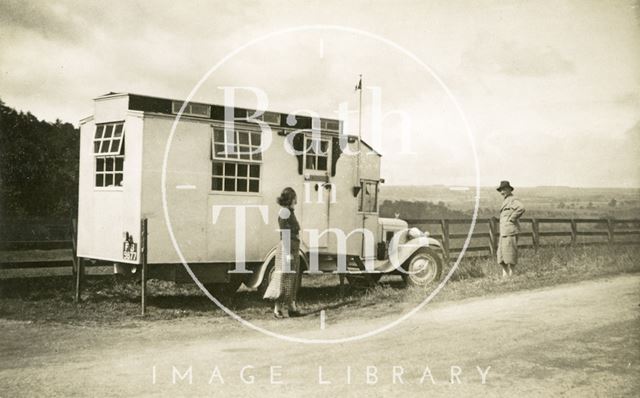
(503, 185)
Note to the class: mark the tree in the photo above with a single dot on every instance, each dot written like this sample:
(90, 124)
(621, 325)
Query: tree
(38, 166)
(613, 202)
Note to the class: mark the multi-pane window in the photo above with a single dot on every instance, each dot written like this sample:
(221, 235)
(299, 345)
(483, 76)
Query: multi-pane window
(109, 171)
(235, 177)
(236, 161)
(108, 147)
(267, 117)
(192, 109)
(316, 154)
(333, 125)
(368, 197)
(271, 117)
(108, 139)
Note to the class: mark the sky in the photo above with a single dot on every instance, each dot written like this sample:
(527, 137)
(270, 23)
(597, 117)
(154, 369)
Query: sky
(549, 90)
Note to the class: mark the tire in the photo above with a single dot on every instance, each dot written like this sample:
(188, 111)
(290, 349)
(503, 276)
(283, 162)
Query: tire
(262, 288)
(423, 268)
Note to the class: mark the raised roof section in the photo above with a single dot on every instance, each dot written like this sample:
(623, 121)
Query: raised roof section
(216, 112)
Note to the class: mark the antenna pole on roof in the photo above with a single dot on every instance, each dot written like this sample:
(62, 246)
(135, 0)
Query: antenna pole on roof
(357, 182)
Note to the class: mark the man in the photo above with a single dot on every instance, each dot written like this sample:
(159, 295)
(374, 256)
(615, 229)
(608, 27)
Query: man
(510, 212)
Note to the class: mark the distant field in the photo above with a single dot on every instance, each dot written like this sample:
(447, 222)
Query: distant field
(539, 201)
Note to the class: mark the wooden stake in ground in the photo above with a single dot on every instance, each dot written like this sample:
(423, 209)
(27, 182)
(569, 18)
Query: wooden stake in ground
(78, 265)
(143, 262)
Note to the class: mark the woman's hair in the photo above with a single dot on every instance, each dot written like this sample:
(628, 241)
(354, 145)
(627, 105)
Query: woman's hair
(286, 197)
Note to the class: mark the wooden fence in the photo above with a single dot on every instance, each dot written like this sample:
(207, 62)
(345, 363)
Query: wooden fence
(605, 228)
(607, 232)
(451, 232)
(54, 246)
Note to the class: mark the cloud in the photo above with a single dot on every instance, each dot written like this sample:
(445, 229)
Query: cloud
(633, 136)
(630, 99)
(546, 103)
(48, 20)
(515, 59)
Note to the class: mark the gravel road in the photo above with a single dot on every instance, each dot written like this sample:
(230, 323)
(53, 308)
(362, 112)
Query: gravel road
(578, 339)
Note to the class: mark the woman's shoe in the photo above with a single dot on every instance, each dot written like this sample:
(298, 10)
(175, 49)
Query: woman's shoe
(278, 315)
(294, 313)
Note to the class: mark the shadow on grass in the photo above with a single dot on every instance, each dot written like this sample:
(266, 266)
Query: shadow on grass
(317, 297)
(111, 293)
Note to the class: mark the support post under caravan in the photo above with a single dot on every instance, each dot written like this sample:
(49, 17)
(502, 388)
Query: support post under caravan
(143, 261)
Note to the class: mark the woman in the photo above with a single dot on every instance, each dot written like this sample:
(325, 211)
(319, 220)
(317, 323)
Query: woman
(283, 287)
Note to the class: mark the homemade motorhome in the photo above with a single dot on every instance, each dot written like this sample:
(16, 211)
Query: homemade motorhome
(218, 180)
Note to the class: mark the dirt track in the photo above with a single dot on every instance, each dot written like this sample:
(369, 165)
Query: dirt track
(581, 340)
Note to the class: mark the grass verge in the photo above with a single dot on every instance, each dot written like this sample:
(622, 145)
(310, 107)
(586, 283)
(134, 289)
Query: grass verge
(109, 301)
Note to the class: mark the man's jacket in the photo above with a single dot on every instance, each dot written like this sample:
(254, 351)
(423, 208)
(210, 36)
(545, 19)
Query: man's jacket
(510, 212)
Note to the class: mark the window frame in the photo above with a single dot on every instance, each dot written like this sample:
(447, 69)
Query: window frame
(325, 125)
(110, 140)
(328, 155)
(237, 143)
(188, 109)
(113, 155)
(227, 159)
(249, 112)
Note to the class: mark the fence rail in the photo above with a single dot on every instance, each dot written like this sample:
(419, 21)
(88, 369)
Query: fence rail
(484, 239)
(35, 244)
(601, 227)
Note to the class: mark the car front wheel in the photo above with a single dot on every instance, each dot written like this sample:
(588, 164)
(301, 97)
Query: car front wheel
(423, 268)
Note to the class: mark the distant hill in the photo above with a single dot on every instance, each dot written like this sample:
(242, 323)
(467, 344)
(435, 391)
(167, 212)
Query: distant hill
(417, 209)
(539, 201)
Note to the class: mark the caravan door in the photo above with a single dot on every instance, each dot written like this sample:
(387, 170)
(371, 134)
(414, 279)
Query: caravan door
(317, 192)
(315, 213)
(368, 208)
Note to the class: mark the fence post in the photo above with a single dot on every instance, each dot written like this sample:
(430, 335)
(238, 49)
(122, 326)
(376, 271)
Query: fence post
(610, 231)
(574, 232)
(493, 236)
(535, 234)
(445, 238)
(74, 235)
(143, 262)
